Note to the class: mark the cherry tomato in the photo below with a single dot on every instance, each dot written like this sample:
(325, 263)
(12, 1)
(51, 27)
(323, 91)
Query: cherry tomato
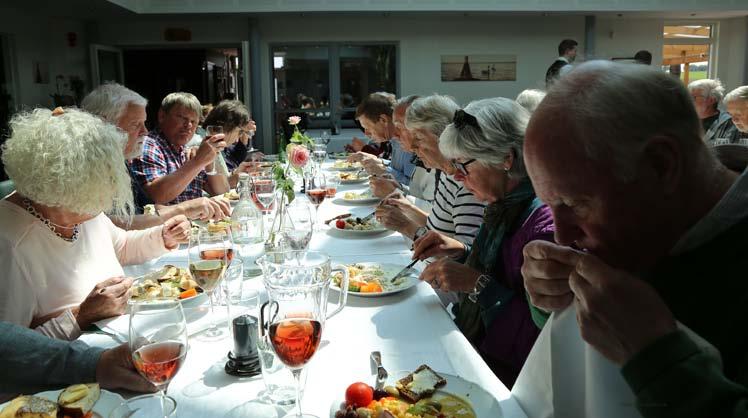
(340, 224)
(359, 395)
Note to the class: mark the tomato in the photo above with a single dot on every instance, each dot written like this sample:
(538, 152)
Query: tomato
(340, 224)
(359, 395)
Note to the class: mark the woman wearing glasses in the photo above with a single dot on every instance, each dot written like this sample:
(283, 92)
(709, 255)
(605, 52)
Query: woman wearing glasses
(485, 145)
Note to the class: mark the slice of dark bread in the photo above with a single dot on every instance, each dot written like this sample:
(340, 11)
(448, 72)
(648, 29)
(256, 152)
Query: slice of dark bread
(420, 384)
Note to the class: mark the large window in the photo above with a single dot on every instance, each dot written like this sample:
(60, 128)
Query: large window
(688, 51)
(324, 83)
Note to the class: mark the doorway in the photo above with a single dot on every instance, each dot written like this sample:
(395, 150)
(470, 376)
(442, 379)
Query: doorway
(211, 74)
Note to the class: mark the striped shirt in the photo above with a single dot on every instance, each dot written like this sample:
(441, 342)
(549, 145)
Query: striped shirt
(455, 211)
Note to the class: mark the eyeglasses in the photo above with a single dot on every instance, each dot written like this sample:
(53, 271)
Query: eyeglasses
(462, 167)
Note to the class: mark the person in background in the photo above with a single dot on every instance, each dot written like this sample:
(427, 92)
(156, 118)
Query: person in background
(530, 99)
(455, 212)
(643, 57)
(654, 299)
(484, 143)
(567, 53)
(707, 96)
(32, 362)
(375, 115)
(60, 254)
(125, 109)
(166, 171)
(736, 103)
(206, 109)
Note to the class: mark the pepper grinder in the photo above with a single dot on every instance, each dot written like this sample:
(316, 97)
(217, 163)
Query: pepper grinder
(243, 360)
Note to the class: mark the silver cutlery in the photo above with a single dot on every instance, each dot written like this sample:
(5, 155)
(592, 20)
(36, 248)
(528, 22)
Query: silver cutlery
(382, 375)
(404, 271)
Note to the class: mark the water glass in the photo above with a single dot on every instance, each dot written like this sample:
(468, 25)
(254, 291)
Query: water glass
(280, 387)
(145, 406)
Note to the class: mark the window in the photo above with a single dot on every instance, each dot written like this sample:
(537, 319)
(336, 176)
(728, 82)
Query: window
(688, 51)
(324, 83)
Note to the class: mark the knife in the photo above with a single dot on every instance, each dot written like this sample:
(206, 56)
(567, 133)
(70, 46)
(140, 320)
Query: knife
(382, 375)
(404, 270)
(343, 216)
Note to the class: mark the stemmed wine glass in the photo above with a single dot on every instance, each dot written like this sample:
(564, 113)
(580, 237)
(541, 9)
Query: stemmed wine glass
(213, 130)
(263, 192)
(316, 192)
(210, 253)
(158, 343)
(297, 230)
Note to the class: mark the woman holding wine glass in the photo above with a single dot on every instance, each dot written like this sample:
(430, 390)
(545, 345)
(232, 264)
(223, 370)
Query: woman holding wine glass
(316, 192)
(158, 343)
(210, 253)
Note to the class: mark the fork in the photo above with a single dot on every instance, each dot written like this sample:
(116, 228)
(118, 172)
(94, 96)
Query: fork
(382, 375)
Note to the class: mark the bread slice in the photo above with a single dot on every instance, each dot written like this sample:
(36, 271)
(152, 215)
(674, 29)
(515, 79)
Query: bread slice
(77, 400)
(422, 383)
(29, 407)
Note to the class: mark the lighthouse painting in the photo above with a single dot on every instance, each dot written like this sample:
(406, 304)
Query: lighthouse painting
(479, 67)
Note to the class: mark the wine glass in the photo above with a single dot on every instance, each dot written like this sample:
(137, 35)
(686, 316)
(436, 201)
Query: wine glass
(212, 130)
(315, 191)
(209, 254)
(319, 154)
(325, 137)
(297, 230)
(158, 343)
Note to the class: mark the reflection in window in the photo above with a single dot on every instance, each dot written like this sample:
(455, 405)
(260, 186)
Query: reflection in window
(364, 69)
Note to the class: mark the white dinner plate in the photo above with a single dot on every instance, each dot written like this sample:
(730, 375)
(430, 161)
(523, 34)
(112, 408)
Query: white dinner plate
(107, 402)
(390, 270)
(356, 181)
(378, 229)
(351, 167)
(362, 201)
(187, 302)
(483, 403)
(339, 155)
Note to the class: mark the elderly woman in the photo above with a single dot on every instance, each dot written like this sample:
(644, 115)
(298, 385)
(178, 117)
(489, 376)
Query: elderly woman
(455, 210)
(485, 144)
(62, 255)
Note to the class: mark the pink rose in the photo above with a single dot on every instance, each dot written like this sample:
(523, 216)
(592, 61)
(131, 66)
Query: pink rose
(294, 120)
(298, 156)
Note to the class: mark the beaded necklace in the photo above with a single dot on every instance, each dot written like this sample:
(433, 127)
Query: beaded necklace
(51, 225)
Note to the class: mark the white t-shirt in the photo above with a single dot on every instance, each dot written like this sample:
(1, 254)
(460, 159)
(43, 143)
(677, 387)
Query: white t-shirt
(44, 274)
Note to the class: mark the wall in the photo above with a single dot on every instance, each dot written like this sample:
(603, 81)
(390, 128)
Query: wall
(623, 37)
(146, 30)
(49, 45)
(732, 68)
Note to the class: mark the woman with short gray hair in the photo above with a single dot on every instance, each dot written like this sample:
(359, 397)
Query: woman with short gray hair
(57, 242)
(484, 142)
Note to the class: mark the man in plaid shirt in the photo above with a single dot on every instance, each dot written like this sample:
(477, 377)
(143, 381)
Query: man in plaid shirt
(166, 171)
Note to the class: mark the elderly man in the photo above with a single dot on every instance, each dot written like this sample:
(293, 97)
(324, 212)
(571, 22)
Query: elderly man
(165, 170)
(707, 95)
(125, 109)
(646, 318)
(375, 115)
(736, 102)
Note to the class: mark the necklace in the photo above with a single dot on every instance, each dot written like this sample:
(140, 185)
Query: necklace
(51, 225)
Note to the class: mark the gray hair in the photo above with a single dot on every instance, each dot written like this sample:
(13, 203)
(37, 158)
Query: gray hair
(740, 93)
(406, 101)
(530, 99)
(110, 101)
(187, 100)
(432, 113)
(81, 168)
(502, 132)
(614, 109)
(709, 89)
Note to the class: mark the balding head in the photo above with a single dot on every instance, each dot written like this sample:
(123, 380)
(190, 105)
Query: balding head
(615, 150)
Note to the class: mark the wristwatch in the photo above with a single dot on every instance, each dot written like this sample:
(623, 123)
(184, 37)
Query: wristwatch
(480, 284)
(421, 231)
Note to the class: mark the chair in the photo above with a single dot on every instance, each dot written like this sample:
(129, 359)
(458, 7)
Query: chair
(6, 187)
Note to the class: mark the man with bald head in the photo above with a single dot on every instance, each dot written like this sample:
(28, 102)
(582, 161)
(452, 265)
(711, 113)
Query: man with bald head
(646, 284)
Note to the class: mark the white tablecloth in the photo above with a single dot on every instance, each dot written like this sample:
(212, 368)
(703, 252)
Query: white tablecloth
(410, 328)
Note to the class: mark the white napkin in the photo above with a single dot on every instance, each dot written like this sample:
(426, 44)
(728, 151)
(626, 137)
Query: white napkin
(566, 377)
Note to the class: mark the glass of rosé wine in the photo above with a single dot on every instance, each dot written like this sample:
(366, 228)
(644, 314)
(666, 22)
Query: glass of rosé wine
(209, 254)
(298, 283)
(158, 343)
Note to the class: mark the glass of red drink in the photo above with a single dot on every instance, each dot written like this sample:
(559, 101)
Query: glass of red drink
(158, 343)
(316, 192)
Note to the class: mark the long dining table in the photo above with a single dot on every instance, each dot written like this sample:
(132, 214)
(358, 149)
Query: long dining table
(409, 328)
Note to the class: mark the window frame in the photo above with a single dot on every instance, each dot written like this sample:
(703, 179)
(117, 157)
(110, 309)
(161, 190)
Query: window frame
(712, 41)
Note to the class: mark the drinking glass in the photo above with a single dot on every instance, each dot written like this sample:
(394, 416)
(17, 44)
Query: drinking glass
(316, 192)
(319, 154)
(298, 283)
(325, 137)
(158, 343)
(298, 227)
(263, 191)
(332, 182)
(146, 406)
(210, 252)
(212, 130)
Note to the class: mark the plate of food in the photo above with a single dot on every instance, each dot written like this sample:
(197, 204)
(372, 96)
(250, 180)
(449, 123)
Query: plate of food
(83, 400)
(419, 394)
(167, 282)
(357, 227)
(364, 197)
(373, 279)
(346, 166)
(211, 225)
(232, 196)
(350, 177)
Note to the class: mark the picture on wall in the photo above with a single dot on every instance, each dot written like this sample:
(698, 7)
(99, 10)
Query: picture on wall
(479, 67)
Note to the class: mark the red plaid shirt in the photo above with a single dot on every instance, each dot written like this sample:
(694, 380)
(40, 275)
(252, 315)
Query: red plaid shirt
(159, 159)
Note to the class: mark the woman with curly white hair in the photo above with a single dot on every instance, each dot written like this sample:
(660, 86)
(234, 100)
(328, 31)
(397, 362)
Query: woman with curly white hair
(56, 243)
